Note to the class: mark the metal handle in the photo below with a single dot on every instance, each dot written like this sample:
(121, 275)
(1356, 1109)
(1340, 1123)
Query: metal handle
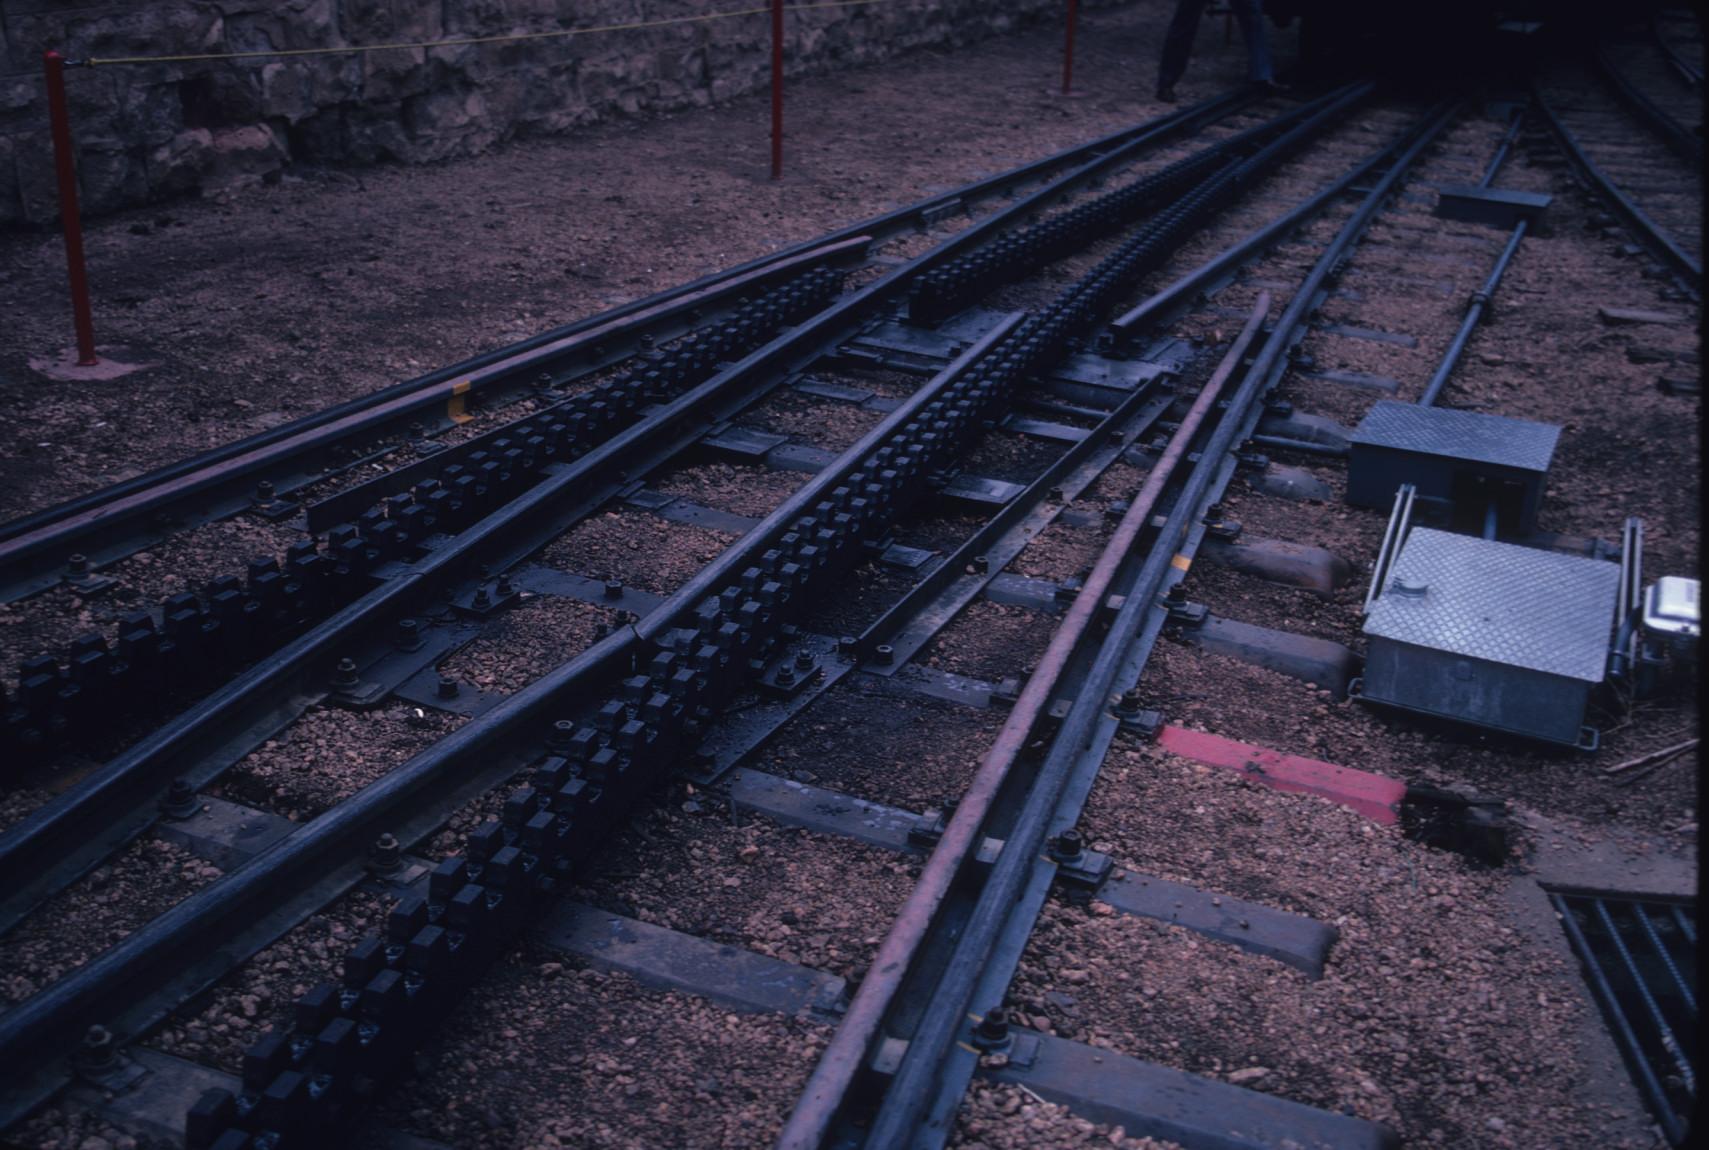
(1393, 536)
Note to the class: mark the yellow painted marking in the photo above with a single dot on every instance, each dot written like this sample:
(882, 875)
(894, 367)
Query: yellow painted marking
(1181, 562)
(456, 408)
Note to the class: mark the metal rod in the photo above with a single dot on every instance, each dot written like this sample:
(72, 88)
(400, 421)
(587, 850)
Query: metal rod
(70, 221)
(1491, 519)
(776, 89)
(1503, 149)
(1618, 1022)
(1651, 1007)
(1686, 926)
(1068, 48)
(1655, 940)
(1393, 536)
(1474, 315)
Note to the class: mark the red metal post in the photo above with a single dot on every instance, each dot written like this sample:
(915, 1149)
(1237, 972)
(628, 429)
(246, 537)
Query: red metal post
(54, 65)
(1068, 50)
(776, 89)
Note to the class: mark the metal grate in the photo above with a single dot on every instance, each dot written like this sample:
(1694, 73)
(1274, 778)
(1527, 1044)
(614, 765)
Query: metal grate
(1640, 958)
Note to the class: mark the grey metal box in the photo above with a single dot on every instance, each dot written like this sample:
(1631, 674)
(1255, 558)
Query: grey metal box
(1453, 457)
(1492, 634)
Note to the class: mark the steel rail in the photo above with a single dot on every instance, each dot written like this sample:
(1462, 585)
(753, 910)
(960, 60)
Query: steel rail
(1690, 72)
(132, 985)
(59, 530)
(830, 1086)
(72, 833)
(1674, 134)
(1162, 305)
(910, 1087)
(1651, 234)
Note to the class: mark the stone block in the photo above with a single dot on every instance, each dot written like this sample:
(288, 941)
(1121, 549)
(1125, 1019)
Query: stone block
(178, 165)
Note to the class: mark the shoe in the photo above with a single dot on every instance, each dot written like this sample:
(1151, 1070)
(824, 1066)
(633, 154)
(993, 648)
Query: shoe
(1166, 95)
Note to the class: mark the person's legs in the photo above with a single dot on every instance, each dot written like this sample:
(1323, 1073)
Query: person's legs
(1178, 45)
(1259, 68)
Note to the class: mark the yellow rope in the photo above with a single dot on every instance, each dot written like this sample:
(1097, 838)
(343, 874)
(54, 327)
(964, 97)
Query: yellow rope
(558, 34)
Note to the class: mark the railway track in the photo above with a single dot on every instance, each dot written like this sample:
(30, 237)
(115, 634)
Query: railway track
(882, 477)
(1607, 123)
(72, 543)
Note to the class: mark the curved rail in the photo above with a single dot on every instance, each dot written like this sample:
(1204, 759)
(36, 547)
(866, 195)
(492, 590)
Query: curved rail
(1649, 233)
(1676, 135)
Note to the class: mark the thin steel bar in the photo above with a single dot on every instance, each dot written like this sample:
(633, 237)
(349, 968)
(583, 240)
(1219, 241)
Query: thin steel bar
(1474, 315)
(1672, 967)
(1617, 1020)
(1686, 926)
(1669, 1041)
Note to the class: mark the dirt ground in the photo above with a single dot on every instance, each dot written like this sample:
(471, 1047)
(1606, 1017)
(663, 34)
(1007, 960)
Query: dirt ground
(262, 305)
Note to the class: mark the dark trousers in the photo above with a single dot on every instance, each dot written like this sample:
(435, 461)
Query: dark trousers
(1178, 41)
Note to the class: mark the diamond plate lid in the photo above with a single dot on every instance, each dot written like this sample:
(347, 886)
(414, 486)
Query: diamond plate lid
(1505, 604)
(1469, 435)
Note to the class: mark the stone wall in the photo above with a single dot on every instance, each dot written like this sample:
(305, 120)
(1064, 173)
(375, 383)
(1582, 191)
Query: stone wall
(154, 130)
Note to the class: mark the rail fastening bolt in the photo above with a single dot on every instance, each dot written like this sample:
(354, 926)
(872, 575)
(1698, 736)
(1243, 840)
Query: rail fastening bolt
(803, 660)
(96, 1051)
(1129, 704)
(1177, 593)
(614, 588)
(482, 597)
(180, 801)
(992, 1031)
(344, 675)
(1069, 845)
(407, 635)
(562, 731)
(884, 654)
(78, 564)
(447, 687)
(386, 855)
(785, 677)
(505, 586)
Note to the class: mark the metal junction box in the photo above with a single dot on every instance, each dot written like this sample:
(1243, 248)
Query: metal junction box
(1459, 458)
(1492, 634)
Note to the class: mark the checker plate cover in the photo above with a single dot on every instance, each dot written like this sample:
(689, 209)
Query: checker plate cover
(1470, 435)
(1505, 604)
